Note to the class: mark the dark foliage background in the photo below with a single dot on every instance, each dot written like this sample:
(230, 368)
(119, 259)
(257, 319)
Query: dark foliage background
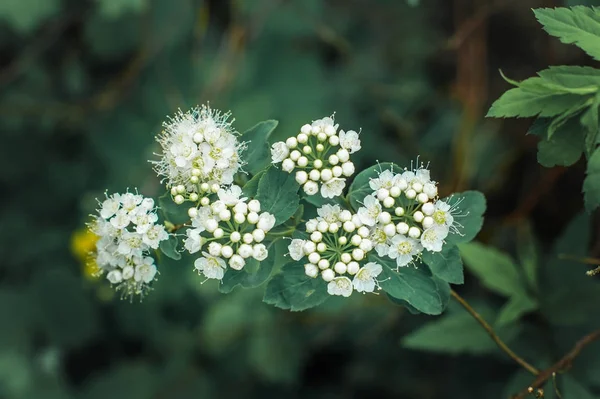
(84, 88)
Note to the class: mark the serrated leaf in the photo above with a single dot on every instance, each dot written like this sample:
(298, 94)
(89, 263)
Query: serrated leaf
(360, 188)
(169, 248)
(446, 264)
(258, 154)
(591, 122)
(471, 205)
(496, 270)
(577, 25)
(248, 278)
(516, 307)
(523, 103)
(278, 194)
(591, 184)
(572, 77)
(414, 285)
(292, 289)
(565, 146)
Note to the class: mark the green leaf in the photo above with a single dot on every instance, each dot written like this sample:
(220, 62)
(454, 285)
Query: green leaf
(414, 285)
(572, 77)
(527, 248)
(360, 188)
(523, 103)
(169, 248)
(578, 25)
(258, 154)
(172, 212)
(571, 388)
(26, 15)
(471, 205)
(495, 269)
(517, 306)
(247, 277)
(278, 194)
(454, 333)
(591, 122)
(591, 184)
(292, 289)
(446, 264)
(565, 146)
(250, 189)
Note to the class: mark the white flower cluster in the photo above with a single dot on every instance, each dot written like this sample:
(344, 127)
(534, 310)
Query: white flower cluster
(405, 216)
(127, 231)
(322, 156)
(234, 229)
(337, 249)
(200, 153)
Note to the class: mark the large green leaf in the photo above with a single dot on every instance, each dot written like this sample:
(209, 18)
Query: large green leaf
(578, 25)
(292, 289)
(446, 264)
(258, 154)
(250, 189)
(471, 206)
(457, 332)
(591, 184)
(496, 270)
(248, 278)
(360, 188)
(517, 306)
(565, 146)
(414, 285)
(523, 103)
(278, 194)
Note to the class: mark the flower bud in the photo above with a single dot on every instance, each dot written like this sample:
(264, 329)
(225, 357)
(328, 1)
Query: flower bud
(291, 142)
(316, 236)
(345, 258)
(225, 214)
(343, 155)
(239, 218)
(428, 208)
(237, 262)
(323, 264)
(340, 268)
(318, 163)
(311, 188)
(328, 275)
(348, 168)
(389, 201)
(295, 155)
(178, 199)
(235, 236)
(226, 251)
(287, 165)
(306, 129)
(218, 233)
(422, 198)
(248, 238)
(414, 232)
(314, 257)
(402, 228)
(311, 270)
(358, 254)
(418, 216)
(258, 235)
(337, 171)
(334, 140)
(389, 230)
(301, 177)
(314, 175)
(302, 162)
(245, 250)
(353, 267)
(192, 212)
(252, 217)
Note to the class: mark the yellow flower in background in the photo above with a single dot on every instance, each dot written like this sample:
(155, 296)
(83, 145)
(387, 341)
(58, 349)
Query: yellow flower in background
(83, 244)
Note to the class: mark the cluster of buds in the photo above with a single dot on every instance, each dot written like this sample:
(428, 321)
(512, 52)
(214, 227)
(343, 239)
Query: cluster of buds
(233, 230)
(200, 153)
(336, 251)
(321, 156)
(127, 231)
(406, 216)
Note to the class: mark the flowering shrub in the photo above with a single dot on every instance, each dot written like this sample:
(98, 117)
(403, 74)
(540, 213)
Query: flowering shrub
(230, 207)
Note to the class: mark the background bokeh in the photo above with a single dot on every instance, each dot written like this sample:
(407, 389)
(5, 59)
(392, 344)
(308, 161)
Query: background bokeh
(84, 87)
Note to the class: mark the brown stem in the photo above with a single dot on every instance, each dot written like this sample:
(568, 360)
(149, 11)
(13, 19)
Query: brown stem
(493, 335)
(561, 365)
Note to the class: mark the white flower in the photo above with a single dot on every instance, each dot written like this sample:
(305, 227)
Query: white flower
(114, 276)
(199, 146)
(121, 219)
(441, 214)
(154, 236)
(432, 239)
(131, 244)
(110, 206)
(385, 180)
(403, 249)
(296, 248)
(279, 152)
(260, 252)
(237, 262)
(145, 271)
(365, 279)
(128, 272)
(211, 266)
(340, 286)
(266, 221)
(330, 213)
(231, 196)
(333, 188)
(193, 242)
(350, 141)
(370, 211)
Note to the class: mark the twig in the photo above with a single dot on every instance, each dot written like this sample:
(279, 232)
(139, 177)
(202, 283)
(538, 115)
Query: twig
(493, 335)
(561, 365)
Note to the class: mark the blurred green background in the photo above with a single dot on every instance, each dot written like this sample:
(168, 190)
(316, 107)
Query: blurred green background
(84, 87)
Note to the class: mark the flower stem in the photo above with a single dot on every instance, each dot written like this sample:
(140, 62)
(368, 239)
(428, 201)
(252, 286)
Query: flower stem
(493, 334)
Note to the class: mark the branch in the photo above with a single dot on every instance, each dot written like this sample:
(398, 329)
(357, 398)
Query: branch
(561, 365)
(494, 336)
